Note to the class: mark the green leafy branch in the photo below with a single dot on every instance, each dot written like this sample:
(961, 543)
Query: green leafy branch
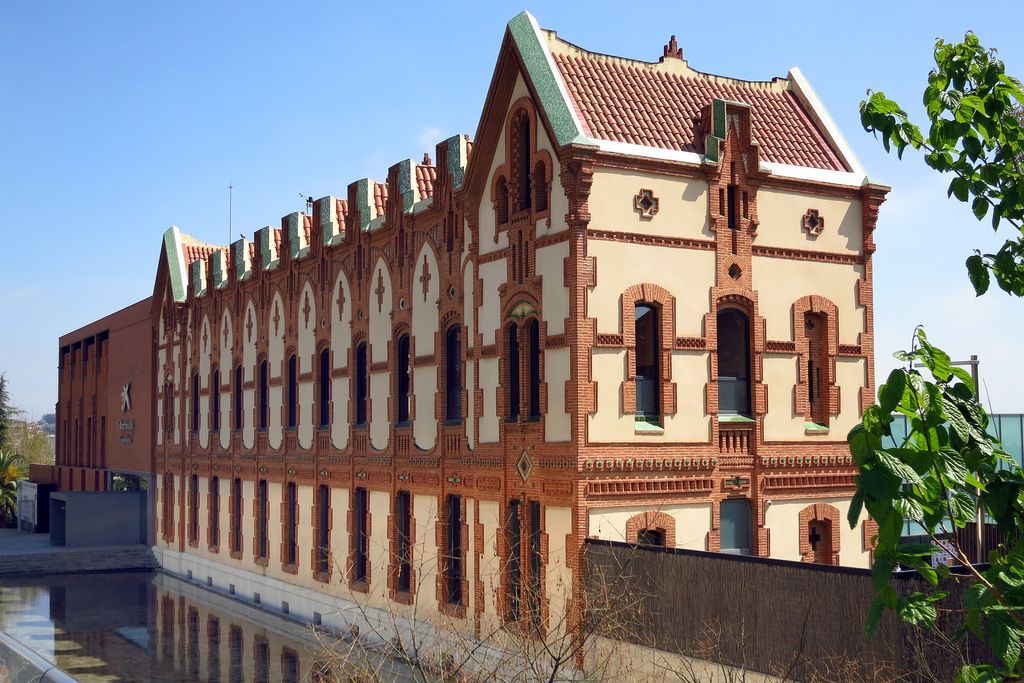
(976, 133)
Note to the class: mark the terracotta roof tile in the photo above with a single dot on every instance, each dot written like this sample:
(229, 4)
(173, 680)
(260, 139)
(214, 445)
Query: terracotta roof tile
(637, 104)
(194, 249)
(425, 177)
(277, 241)
(307, 225)
(380, 197)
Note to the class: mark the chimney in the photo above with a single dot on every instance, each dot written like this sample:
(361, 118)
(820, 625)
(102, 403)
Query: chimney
(672, 50)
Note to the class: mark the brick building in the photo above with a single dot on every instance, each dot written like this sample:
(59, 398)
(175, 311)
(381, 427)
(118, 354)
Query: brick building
(104, 401)
(637, 305)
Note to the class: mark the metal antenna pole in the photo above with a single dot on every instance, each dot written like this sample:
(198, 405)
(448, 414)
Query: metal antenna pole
(231, 190)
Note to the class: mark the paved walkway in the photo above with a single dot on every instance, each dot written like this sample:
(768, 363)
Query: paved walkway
(22, 553)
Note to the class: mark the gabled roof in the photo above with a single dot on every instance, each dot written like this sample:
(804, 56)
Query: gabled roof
(651, 109)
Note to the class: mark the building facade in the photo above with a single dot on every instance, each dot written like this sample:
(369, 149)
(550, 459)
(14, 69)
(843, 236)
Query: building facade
(638, 305)
(102, 430)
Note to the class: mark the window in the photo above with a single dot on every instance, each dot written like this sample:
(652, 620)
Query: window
(655, 537)
(264, 396)
(534, 327)
(648, 349)
(402, 374)
(215, 401)
(734, 526)
(513, 373)
(193, 643)
(501, 201)
(236, 646)
(214, 503)
(453, 373)
(213, 658)
(730, 194)
(361, 384)
(535, 561)
(323, 540)
(289, 666)
(362, 537)
(523, 126)
(238, 398)
(733, 362)
(168, 418)
(815, 329)
(195, 403)
(324, 387)
(403, 531)
(193, 509)
(540, 180)
(235, 537)
(261, 657)
(293, 391)
(453, 548)
(291, 549)
(262, 510)
(515, 551)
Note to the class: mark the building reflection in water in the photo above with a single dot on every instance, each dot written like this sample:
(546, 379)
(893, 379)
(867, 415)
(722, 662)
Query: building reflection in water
(153, 627)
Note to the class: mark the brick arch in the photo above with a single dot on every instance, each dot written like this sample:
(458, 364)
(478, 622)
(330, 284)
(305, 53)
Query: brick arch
(655, 520)
(830, 516)
(654, 294)
(820, 305)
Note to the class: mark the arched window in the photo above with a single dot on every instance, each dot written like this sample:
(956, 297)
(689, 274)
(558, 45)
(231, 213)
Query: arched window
(195, 403)
(817, 367)
(215, 401)
(733, 362)
(238, 398)
(525, 191)
(324, 388)
(540, 193)
(534, 329)
(361, 384)
(453, 372)
(513, 396)
(264, 397)
(293, 391)
(648, 379)
(402, 378)
(501, 201)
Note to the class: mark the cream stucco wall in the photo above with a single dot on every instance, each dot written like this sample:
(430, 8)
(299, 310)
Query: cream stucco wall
(782, 518)
(275, 334)
(557, 423)
(780, 374)
(227, 377)
(693, 522)
(781, 215)
(380, 334)
(249, 375)
(551, 269)
(489, 427)
(306, 324)
(682, 204)
(492, 276)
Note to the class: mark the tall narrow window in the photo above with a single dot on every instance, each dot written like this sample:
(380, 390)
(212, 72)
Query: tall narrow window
(453, 547)
(501, 201)
(293, 391)
(817, 367)
(195, 403)
(730, 194)
(524, 161)
(361, 384)
(215, 401)
(733, 362)
(262, 510)
(193, 509)
(534, 328)
(291, 546)
(264, 396)
(193, 644)
(513, 372)
(323, 540)
(734, 527)
(515, 553)
(324, 388)
(362, 538)
(261, 660)
(403, 523)
(238, 403)
(540, 181)
(289, 666)
(213, 643)
(535, 561)
(402, 378)
(236, 646)
(235, 539)
(214, 503)
(647, 351)
(453, 373)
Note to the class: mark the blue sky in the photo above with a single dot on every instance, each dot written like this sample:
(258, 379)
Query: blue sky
(122, 118)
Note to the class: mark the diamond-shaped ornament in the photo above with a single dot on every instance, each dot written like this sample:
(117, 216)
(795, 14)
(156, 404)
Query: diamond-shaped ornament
(525, 464)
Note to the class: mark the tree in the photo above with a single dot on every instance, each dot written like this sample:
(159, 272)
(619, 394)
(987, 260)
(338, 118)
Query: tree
(7, 411)
(949, 469)
(12, 468)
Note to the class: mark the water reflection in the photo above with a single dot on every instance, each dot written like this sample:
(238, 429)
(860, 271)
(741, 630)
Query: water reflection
(151, 627)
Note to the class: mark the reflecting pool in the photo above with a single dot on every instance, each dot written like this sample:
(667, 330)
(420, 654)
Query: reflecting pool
(152, 627)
